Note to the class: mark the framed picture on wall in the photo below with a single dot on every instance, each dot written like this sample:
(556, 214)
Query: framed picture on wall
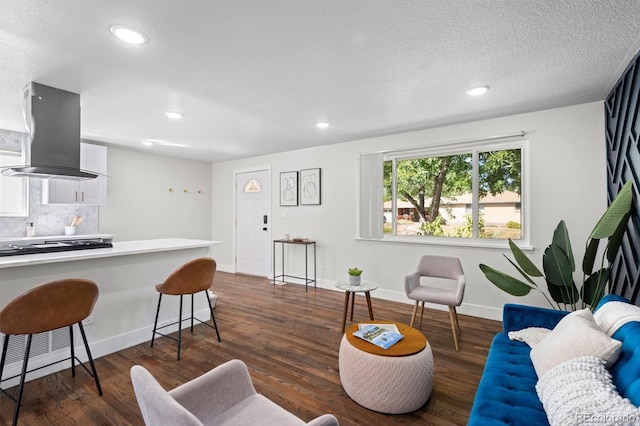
(289, 188)
(310, 187)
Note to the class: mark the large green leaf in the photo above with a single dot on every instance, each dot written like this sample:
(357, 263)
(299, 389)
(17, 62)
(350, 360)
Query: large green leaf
(525, 263)
(590, 256)
(557, 267)
(505, 282)
(564, 294)
(561, 240)
(616, 239)
(594, 287)
(609, 221)
(522, 272)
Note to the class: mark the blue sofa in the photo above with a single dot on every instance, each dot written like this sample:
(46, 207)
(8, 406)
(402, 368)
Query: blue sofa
(506, 394)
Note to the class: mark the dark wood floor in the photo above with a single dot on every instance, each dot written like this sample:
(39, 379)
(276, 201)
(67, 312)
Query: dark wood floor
(289, 339)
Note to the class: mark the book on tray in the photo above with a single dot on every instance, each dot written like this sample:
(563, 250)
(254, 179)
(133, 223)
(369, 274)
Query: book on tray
(383, 335)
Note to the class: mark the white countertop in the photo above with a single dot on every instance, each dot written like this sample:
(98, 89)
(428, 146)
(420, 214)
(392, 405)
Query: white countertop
(119, 249)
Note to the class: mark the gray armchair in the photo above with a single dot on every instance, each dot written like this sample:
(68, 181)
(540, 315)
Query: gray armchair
(222, 396)
(445, 268)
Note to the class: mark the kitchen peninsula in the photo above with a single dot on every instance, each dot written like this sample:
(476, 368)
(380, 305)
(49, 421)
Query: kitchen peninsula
(126, 275)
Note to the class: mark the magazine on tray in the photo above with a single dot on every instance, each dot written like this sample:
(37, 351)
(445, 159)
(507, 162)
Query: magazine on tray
(388, 327)
(379, 336)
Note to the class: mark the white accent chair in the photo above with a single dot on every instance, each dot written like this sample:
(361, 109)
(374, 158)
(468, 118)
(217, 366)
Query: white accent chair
(447, 269)
(222, 396)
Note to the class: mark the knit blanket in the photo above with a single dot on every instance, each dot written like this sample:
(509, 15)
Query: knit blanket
(580, 392)
(613, 315)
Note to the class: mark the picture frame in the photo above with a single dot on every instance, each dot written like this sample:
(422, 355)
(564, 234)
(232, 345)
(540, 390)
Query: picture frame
(310, 187)
(289, 188)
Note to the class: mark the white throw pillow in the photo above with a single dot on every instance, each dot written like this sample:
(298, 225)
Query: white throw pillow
(580, 391)
(575, 335)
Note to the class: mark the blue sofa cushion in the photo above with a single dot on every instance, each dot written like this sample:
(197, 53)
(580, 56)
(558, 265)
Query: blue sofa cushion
(626, 371)
(516, 317)
(506, 394)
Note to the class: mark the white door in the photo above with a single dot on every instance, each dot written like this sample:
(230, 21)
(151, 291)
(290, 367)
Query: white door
(253, 223)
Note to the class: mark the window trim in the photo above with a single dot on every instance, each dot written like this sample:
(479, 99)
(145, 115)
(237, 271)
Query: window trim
(474, 147)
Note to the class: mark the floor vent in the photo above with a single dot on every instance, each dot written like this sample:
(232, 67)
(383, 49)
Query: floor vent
(41, 344)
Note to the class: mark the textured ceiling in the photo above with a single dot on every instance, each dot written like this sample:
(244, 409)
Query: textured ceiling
(254, 76)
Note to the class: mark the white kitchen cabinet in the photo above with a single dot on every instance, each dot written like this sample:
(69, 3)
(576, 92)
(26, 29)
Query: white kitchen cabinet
(94, 191)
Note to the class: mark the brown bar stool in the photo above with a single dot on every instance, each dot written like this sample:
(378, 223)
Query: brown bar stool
(192, 277)
(47, 307)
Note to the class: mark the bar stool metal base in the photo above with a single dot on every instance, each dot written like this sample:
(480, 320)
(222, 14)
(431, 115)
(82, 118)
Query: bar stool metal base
(179, 322)
(17, 399)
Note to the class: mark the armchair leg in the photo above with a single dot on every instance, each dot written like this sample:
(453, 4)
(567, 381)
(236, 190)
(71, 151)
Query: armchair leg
(421, 314)
(455, 327)
(413, 316)
(455, 315)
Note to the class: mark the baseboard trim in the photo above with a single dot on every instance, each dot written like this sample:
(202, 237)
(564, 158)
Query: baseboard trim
(473, 310)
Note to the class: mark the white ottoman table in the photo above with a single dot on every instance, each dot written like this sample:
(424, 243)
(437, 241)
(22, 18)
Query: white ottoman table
(394, 381)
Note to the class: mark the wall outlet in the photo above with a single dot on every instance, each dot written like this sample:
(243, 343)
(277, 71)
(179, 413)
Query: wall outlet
(88, 320)
(42, 220)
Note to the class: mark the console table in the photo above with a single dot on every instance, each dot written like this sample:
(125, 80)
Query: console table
(284, 275)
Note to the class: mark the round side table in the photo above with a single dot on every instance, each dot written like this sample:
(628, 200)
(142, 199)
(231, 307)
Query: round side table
(350, 290)
(392, 383)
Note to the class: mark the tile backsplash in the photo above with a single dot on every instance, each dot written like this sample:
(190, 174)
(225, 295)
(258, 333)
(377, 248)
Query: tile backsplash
(55, 216)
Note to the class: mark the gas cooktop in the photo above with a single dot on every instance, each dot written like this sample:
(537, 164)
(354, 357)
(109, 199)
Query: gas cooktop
(51, 247)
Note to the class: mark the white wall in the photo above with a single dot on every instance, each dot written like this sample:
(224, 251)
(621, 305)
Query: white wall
(139, 204)
(567, 181)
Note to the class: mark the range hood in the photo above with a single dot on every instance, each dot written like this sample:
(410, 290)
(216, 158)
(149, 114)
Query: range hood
(52, 117)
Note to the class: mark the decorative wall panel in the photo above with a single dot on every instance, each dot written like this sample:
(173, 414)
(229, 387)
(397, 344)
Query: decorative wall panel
(623, 165)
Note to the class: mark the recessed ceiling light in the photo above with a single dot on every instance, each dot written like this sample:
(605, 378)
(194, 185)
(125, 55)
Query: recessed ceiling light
(173, 114)
(129, 34)
(147, 143)
(477, 91)
(322, 125)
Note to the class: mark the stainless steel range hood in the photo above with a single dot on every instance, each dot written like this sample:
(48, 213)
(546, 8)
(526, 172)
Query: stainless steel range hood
(52, 117)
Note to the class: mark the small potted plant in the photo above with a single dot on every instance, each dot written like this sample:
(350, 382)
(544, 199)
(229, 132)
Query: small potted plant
(354, 276)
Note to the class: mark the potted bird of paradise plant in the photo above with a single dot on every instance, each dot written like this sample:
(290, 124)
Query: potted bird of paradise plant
(558, 263)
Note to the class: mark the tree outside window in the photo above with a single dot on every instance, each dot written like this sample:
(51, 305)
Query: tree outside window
(475, 194)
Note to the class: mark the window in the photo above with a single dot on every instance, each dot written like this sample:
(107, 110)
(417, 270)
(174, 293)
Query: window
(469, 193)
(252, 186)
